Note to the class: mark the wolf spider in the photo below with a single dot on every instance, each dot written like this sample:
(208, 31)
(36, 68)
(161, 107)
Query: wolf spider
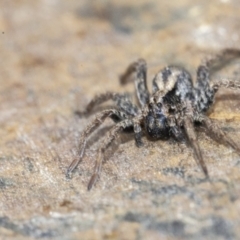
(172, 110)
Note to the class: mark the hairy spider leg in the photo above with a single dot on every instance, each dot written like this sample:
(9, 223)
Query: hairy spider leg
(125, 105)
(177, 133)
(88, 130)
(204, 91)
(191, 135)
(227, 83)
(223, 57)
(137, 128)
(216, 61)
(122, 101)
(137, 72)
(216, 132)
(112, 134)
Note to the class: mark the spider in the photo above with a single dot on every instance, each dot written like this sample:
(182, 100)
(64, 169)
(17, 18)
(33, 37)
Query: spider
(171, 111)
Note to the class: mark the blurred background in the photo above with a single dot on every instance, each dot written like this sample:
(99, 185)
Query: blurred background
(55, 57)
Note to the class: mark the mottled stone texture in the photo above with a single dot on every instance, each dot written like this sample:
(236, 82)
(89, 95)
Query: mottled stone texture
(55, 56)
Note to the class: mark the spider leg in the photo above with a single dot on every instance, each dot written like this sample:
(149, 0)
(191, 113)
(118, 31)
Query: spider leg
(88, 130)
(121, 100)
(204, 91)
(218, 60)
(137, 71)
(232, 84)
(191, 135)
(112, 134)
(215, 131)
(177, 133)
(99, 99)
(138, 131)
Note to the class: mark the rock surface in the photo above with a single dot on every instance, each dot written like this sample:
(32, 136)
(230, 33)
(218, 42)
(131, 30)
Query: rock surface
(55, 56)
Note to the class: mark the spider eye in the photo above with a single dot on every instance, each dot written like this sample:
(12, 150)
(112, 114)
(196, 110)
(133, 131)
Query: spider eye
(159, 105)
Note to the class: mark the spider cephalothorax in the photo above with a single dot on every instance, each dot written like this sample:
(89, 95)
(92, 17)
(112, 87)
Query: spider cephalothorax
(172, 110)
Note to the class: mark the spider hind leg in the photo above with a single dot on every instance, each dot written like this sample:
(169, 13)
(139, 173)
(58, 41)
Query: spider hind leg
(112, 134)
(88, 130)
(216, 132)
(191, 135)
(205, 90)
(137, 72)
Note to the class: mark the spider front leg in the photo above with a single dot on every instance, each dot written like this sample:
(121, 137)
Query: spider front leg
(232, 84)
(218, 60)
(191, 135)
(213, 63)
(177, 133)
(137, 72)
(107, 141)
(215, 131)
(138, 132)
(175, 130)
(88, 130)
(122, 101)
(205, 91)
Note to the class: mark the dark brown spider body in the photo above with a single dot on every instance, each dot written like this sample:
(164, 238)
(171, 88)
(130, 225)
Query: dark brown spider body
(172, 109)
